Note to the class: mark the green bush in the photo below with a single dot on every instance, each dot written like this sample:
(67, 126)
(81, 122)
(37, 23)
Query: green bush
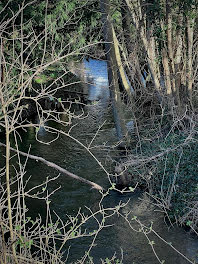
(173, 175)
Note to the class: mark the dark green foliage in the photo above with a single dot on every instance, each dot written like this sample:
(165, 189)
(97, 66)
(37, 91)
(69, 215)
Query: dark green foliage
(172, 176)
(178, 170)
(153, 10)
(69, 25)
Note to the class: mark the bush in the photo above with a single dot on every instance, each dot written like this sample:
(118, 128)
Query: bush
(168, 168)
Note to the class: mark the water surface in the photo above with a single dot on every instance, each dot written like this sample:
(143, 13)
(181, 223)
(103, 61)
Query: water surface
(128, 244)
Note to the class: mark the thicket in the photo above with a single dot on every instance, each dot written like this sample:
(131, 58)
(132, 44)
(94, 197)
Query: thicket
(157, 42)
(164, 165)
(154, 43)
(168, 33)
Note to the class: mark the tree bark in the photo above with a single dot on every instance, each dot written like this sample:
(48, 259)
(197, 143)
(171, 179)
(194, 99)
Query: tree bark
(146, 33)
(129, 49)
(190, 33)
(125, 83)
(169, 32)
(126, 26)
(166, 72)
(112, 70)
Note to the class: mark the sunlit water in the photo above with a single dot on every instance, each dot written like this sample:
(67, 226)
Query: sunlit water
(97, 77)
(128, 244)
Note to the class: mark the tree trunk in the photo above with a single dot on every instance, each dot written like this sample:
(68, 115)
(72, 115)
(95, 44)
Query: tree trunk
(124, 80)
(190, 32)
(7, 168)
(175, 90)
(178, 57)
(146, 33)
(112, 70)
(126, 26)
(166, 72)
(130, 49)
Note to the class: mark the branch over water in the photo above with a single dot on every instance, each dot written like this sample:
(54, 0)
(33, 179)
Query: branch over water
(58, 168)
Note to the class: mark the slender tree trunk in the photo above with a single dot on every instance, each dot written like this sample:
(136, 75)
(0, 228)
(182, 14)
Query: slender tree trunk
(190, 32)
(166, 72)
(146, 33)
(149, 45)
(125, 83)
(112, 70)
(178, 57)
(169, 22)
(126, 26)
(129, 47)
(7, 131)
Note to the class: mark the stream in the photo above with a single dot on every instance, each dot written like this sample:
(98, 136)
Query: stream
(128, 244)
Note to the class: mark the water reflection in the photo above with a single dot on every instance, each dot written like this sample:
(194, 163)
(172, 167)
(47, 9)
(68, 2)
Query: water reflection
(97, 76)
(73, 195)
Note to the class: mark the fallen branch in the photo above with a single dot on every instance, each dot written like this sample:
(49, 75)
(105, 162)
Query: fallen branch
(58, 168)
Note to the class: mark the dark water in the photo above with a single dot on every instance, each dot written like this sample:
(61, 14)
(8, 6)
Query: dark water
(72, 195)
(128, 244)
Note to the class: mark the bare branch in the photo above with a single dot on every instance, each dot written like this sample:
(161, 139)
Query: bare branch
(56, 167)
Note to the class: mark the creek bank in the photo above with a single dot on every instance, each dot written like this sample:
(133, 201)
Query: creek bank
(166, 169)
(58, 97)
(72, 195)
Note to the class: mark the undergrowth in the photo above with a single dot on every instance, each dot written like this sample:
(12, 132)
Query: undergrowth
(169, 173)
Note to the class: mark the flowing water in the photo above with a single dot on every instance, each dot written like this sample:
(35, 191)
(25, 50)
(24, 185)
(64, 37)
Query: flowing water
(128, 244)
